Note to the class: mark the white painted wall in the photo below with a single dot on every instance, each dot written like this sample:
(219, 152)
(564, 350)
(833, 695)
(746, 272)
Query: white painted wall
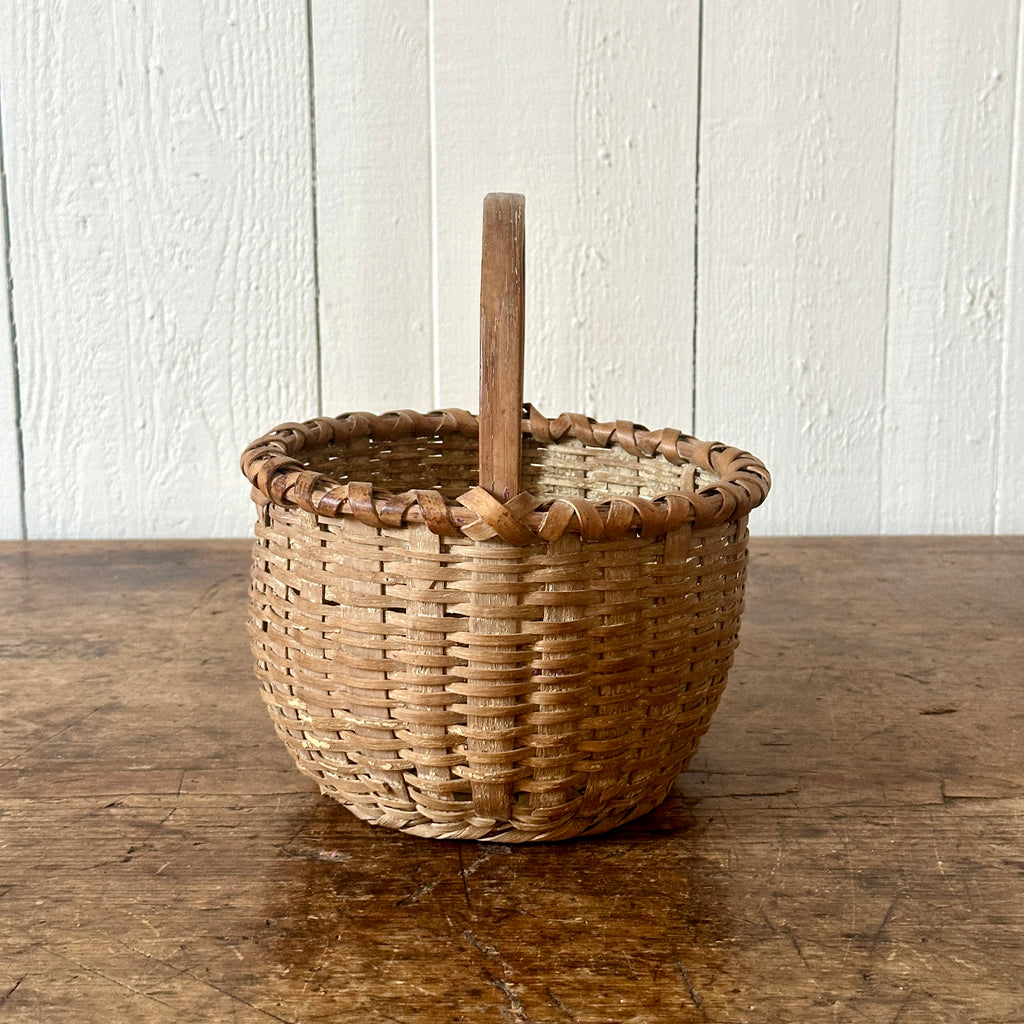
(157, 158)
(793, 227)
(796, 144)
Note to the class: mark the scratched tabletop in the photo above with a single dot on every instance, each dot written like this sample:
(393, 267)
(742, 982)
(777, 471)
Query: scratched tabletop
(847, 846)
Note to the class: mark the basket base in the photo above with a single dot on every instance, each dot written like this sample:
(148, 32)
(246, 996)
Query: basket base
(490, 830)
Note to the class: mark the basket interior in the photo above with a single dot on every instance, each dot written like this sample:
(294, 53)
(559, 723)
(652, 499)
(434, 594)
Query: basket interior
(449, 465)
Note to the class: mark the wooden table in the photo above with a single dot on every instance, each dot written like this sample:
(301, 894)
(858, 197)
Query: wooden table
(849, 845)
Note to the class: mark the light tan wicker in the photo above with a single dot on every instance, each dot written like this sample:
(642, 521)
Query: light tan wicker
(458, 666)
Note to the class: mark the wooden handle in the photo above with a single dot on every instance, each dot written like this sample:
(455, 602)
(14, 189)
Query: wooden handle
(502, 309)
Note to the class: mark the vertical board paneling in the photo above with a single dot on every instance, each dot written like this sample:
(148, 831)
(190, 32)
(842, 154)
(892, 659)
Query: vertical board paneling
(797, 110)
(373, 204)
(859, 282)
(1010, 484)
(950, 203)
(11, 526)
(158, 176)
(590, 110)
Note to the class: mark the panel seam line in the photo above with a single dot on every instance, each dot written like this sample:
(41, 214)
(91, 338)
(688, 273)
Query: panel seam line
(13, 332)
(887, 332)
(314, 219)
(696, 217)
(435, 313)
(1011, 249)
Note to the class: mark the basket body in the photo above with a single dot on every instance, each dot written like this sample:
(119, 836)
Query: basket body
(467, 687)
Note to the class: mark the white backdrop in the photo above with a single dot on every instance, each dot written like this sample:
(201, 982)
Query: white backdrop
(793, 226)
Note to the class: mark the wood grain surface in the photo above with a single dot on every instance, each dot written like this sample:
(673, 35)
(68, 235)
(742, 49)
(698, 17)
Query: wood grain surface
(847, 846)
(502, 311)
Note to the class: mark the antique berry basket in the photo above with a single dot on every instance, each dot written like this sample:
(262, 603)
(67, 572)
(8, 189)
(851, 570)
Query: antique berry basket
(504, 627)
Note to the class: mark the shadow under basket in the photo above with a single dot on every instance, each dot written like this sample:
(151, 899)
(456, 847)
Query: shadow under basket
(457, 667)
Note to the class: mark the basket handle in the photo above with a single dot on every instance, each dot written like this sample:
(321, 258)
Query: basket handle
(502, 315)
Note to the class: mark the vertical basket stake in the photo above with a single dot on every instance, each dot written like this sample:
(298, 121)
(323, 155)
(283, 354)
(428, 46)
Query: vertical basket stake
(502, 309)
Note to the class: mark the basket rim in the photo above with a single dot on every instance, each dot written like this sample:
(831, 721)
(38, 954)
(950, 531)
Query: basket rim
(271, 465)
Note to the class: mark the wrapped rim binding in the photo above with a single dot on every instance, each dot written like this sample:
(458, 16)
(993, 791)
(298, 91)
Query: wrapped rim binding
(738, 481)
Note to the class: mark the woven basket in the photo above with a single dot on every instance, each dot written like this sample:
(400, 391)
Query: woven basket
(455, 663)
